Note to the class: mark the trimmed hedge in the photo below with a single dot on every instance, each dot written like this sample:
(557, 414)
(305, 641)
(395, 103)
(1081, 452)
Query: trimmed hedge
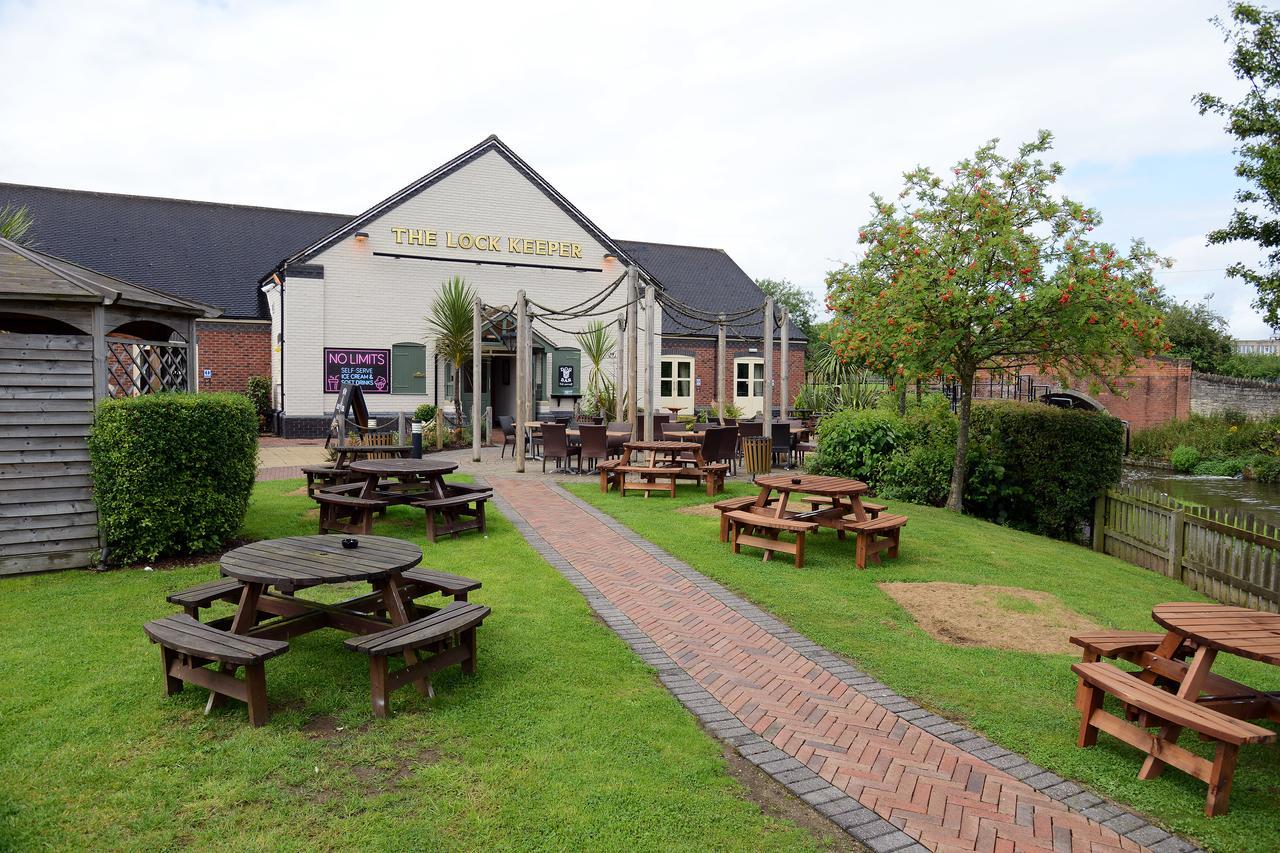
(1030, 466)
(172, 473)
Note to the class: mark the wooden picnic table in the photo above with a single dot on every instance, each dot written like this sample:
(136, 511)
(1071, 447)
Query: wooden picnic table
(1210, 629)
(843, 493)
(418, 478)
(298, 562)
(347, 452)
(673, 449)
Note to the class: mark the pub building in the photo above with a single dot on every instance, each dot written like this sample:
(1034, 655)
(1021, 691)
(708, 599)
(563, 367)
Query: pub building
(315, 300)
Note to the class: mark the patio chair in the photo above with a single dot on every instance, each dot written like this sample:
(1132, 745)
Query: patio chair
(782, 444)
(703, 427)
(555, 445)
(616, 441)
(508, 426)
(594, 446)
(664, 429)
(747, 429)
(721, 445)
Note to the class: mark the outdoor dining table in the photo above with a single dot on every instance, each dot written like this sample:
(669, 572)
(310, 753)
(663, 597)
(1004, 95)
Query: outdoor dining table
(347, 452)
(418, 477)
(298, 562)
(843, 493)
(672, 449)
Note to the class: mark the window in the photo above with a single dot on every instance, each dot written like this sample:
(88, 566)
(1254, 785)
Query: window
(749, 377)
(408, 368)
(676, 378)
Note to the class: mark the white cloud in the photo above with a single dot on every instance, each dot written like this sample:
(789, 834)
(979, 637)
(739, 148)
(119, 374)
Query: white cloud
(759, 128)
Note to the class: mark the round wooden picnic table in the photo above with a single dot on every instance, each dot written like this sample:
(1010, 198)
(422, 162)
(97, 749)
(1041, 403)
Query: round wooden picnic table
(1237, 630)
(297, 562)
(429, 472)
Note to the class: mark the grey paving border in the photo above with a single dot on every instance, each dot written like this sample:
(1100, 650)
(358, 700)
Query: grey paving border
(859, 821)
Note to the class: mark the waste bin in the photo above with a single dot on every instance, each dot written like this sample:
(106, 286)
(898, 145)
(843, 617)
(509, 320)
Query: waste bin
(757, 454)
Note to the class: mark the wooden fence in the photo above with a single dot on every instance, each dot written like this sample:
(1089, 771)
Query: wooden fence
(1226, 555)
(47, 516)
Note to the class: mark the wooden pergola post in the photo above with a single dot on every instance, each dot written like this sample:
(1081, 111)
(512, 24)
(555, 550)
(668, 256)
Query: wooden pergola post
(721, 378)
(633, 340)
(521, 380)
(648, 361)
(476, 384)
(619, 390)
(785, 368)
(768, 367)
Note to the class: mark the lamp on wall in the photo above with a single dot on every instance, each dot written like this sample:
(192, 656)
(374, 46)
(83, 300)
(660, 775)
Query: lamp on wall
(362, 235)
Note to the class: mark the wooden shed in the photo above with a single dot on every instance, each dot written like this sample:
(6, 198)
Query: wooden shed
(69, 337)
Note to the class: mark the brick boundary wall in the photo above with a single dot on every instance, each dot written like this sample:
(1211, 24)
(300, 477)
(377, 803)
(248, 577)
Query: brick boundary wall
(234, 351)
(1156, 391)
(1212, 394)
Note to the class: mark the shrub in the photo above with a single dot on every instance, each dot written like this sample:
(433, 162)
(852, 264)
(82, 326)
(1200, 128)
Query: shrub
(1223, 436)
(712, 413)
(425, 413)
(920, 470)
(172, 473)
(857, 443)
(1039, 467)
(1219, 468)
(1263, 367)
(259, 391)
(1184, 458)
(1265, 469)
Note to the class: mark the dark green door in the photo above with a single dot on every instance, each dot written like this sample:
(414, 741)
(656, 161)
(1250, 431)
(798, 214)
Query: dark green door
(408, 369)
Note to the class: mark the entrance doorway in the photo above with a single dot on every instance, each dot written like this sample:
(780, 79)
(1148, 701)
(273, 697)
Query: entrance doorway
(502, 384)
(748, 385)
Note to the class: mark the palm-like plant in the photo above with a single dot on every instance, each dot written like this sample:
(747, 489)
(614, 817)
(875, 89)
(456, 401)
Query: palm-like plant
(15, 222)
(597, 344)
(449, 328)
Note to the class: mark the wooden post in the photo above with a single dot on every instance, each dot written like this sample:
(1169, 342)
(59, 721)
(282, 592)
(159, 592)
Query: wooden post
(1176, 534)
(721, 378)
(618, 387)
(648, 361)
(767, 343)
(786, 343)
(521, 391)
(99, 354)
(633, 340)
(476, 383)
(400, 427)
(1100, 521)
(439, 429)
(192, 382)
(530, 372)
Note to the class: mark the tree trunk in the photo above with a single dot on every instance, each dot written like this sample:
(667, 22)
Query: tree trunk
(955, 499)
(902, 397)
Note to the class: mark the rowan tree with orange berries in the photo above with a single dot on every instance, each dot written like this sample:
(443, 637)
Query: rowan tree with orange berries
(986, 269)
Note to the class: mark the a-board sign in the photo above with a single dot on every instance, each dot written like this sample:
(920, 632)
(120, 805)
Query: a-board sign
(369, 369)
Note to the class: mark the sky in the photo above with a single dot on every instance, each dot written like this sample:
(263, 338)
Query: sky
(758, 128)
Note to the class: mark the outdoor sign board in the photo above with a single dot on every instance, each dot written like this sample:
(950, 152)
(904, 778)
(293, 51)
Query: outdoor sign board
(370, 369)
(565, 377)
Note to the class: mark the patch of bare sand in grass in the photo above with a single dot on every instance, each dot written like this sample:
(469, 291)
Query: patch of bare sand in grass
(997, 617)
(708, 510)
(300, 492)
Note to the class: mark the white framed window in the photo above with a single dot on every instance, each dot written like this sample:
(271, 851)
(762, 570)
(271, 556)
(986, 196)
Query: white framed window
(675, 381)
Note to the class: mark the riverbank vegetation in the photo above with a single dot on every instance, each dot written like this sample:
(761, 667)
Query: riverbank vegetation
(1223, 445)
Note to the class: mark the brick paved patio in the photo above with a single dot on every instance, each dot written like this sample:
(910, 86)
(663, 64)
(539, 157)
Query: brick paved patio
(883, 769)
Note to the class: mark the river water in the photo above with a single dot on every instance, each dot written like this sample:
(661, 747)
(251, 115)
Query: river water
(1261, 500)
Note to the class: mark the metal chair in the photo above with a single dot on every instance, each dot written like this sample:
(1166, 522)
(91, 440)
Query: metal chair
(508, 426)
(594, 445)
(782, 443)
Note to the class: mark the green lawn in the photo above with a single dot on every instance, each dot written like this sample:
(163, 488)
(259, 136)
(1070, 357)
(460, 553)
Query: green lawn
(1020, 700)
(564, 740)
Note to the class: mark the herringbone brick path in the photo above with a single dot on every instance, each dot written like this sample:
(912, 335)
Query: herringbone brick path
(936, 793)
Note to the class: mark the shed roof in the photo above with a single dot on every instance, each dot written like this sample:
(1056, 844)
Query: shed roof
(28, 274)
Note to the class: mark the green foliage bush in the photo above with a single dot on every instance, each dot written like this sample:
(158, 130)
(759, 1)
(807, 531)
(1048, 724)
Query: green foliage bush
(259, 391)
(1184, 458)
(1223, 436)
(1219, 468)
(857, 443)
(1265, 469)
(172, 473)
(425, 413)
(1261, 367)
(1030, 466)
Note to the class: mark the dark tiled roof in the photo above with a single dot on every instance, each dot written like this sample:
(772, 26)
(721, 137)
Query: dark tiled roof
(706, 279)
(214, 253)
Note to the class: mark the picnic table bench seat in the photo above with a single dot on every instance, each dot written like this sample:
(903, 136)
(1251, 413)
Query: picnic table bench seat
(421, 581)
(459, 510)
(186, 645)
(1173, 713)
(818, 501)
(876, 536)
(347, 513)
(205, 594)
(1125, 645)
(647, 483)
(729, 505)
(324, 475)
(447, 635)
(744, 523)
(608, 478)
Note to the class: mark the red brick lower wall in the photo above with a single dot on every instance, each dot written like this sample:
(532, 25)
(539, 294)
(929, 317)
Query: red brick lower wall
(234, 352)
(704, 366)
(1156, 391)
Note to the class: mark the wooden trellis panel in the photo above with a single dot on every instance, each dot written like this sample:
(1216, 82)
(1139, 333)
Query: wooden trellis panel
(47, 515)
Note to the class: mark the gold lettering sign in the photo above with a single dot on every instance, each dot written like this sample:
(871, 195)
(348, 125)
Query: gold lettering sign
(486, 242)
